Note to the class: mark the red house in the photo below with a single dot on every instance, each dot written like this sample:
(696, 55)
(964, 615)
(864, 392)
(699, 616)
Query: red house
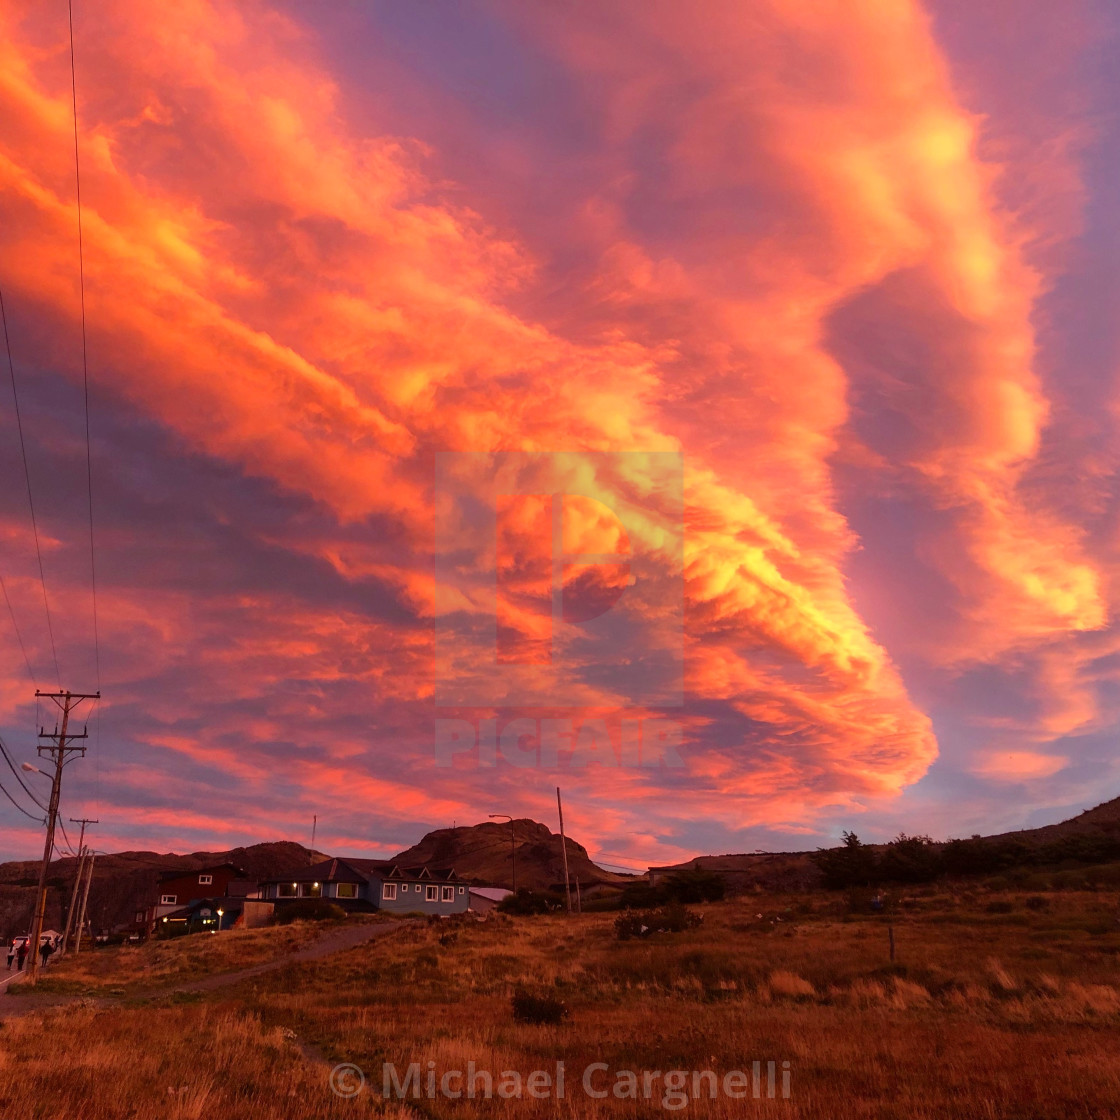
(178, 888)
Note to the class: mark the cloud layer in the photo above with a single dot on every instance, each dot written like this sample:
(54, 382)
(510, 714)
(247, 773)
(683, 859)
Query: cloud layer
(776, 240)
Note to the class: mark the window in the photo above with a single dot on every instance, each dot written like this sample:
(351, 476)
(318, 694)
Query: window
(139, 917)
(346, 890)
(461, 889)
(168, 899)
(286, 890)
(404, 886)
(311, 890)
(448, 894)
(430, 893)
(389, 891)
(205, 880)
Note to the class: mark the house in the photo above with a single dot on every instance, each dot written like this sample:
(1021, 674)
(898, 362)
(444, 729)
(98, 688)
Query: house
(484, 899)
(214, 915)
(177, 889)
(373, 884)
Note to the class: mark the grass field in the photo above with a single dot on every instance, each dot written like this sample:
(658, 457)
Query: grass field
(164, 963)
(999, 1004)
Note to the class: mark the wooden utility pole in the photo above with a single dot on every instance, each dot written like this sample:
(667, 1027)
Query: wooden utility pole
(58, 749)
(82, 853)
(74, 896)
(85, 899)
(564, 850)
(314, 826)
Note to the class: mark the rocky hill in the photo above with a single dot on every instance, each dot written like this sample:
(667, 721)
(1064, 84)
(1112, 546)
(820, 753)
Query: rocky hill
(485, 853)
(125, 882)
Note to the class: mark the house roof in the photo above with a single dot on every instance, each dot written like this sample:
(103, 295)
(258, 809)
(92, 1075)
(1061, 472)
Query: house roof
(494, 894)
(357, 870)
(183, 872)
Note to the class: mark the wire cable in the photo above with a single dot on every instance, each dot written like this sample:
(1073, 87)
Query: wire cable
(27, 476)
(15, 627)
(3, 789)
(85, 397)
(19, 778)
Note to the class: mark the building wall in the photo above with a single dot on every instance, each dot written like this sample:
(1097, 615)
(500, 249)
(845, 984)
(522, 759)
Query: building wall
(414, 900)
(255, 914)
(186, 887)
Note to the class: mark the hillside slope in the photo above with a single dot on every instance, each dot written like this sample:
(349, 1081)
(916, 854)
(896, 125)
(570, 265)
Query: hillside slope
(124, 882)
(483, 853)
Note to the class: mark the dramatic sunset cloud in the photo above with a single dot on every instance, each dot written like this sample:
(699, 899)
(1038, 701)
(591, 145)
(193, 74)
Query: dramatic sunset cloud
(810, 252)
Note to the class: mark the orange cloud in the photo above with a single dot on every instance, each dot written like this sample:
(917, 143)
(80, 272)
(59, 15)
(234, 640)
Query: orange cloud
(323, 310)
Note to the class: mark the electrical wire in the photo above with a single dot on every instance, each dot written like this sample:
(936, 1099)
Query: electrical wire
(15, 627)
(19, 778)
(4, 790)
(85, 398)
(27, 476)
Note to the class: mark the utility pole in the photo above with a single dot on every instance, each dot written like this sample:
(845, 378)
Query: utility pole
(85, 899)
(564, 850)
(314, 826)
(83, 821)
(59, 749)
(512, 843)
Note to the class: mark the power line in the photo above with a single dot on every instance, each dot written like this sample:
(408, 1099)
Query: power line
(15, 627)
(12, 766)
(27, 476)
(65, 838)
(85, 397)
(3, 789)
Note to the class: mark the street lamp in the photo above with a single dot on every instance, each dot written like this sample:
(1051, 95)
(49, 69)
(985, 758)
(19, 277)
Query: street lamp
(220, 913)
(512, 842)
(33, 769)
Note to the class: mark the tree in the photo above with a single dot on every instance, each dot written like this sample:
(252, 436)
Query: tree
(852, 865)
(911, 859)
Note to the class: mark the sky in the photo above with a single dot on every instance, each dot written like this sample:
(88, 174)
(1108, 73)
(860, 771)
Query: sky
(722, 398)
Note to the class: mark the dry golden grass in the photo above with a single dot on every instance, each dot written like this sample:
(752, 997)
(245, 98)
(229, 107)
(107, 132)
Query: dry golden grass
(167, 1063)
(1012, 1013)
(158, 963)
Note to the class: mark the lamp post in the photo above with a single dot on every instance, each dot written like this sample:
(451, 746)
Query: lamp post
(512, 842)
(220, 913)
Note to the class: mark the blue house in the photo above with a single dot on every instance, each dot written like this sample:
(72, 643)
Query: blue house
(374, 884)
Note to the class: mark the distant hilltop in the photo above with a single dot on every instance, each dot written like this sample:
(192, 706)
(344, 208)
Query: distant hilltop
(125, 882)
(485, 854)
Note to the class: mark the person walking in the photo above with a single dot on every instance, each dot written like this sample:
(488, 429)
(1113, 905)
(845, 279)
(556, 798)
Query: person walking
(21, 954)
(11, 954)
(45, 951)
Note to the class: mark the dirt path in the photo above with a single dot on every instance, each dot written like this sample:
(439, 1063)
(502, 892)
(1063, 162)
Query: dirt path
(337, 941)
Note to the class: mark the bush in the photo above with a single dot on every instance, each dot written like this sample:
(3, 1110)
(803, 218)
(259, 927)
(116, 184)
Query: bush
(526, 901)
(537, 1009)
(911, 859)
(308, 910)
(695, 886)
(853, 865)
(673, 918)
(1037, 902)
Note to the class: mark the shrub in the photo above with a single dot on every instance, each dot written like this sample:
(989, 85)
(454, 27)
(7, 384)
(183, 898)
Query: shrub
(527, 901)
(695, 886)
(1037, 902)
(911, 859)
(852, 865)
(537, 1009)
(308, 910)
(673, 918)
